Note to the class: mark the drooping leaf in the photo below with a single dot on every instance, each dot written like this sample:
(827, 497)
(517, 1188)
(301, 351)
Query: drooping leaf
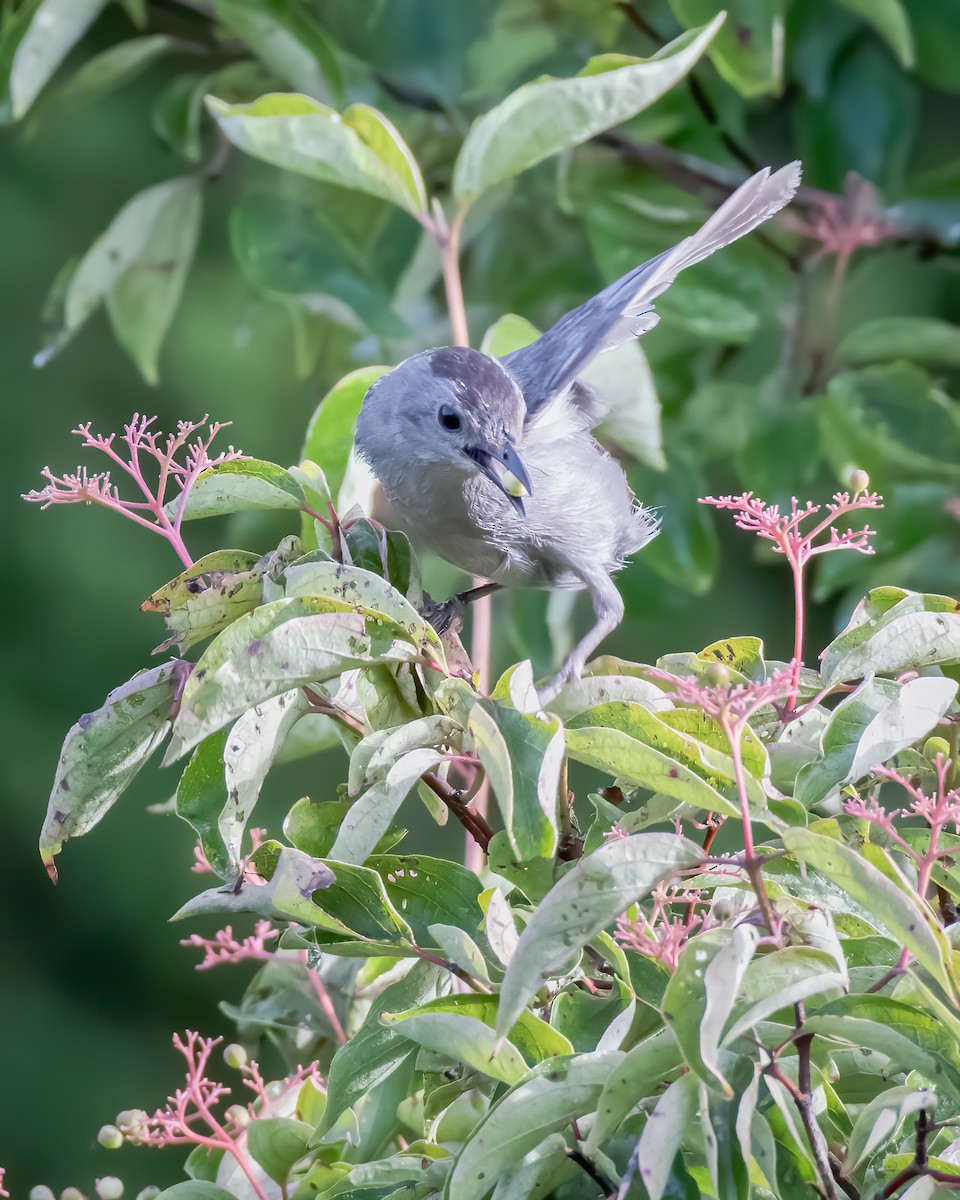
(672, 1116)
(634, 1078)
(288, 40)
(917, 339)
(776, 981)
(903, 916)
(278, 1144)
(881, 1119)
(555, 1093)
(871, 725)
(137, 267)
(748, 50)
(35, 41)
(357, 149)
(889, 18)
(369, 817)
(103, 752)
(461, 1038)
(375, 1051)
(541, 119)
(292, 880)
(592, 895)
(701, 993)
(113, 67)
(522, 757)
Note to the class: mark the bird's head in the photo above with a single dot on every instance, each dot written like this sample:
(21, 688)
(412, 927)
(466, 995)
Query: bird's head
(454, 407)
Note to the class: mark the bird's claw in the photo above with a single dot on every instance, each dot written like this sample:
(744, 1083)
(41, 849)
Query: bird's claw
(445, 614)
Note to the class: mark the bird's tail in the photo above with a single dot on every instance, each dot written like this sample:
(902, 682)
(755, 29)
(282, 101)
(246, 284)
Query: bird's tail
(624, 308)
(751, 204)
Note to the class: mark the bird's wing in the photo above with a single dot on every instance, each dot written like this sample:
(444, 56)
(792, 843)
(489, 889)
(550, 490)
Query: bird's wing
(546, 367)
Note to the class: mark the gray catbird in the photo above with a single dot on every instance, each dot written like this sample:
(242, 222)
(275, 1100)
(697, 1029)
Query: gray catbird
(491, 462)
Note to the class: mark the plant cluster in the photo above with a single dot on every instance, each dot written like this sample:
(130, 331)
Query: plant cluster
(729, 973)
(709, 949)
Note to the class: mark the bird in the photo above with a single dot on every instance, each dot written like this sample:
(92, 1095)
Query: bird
(491, 463)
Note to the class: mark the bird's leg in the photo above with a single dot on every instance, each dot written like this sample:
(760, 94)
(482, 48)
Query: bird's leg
(442, 615)
(608, 606)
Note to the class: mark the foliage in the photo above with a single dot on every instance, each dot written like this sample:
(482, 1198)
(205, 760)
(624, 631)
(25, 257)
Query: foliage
(731, 971)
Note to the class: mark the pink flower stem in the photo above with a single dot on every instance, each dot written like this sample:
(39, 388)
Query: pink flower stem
(799, 621)
(224, 1141)
(323, 998)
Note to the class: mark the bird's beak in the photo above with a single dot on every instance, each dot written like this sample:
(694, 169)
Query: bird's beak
(506, 469)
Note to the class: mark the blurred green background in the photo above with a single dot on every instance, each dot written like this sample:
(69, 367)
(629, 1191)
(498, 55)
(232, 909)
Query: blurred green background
(295, 283)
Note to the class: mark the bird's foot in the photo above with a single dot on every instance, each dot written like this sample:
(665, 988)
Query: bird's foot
(445, 614)
(549, 691)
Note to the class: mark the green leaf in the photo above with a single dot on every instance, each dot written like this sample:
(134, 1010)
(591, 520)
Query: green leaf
(541, 119)
(868, 727)
(288, 40)
(279, 646)
(369, 817)
(293, 878)
(890, 20)
(357, 149)
(890, 421)
(240, 485)
(522, 757)
(904, 917)
(633, 1079)
(463, 1039)
(195, 1189)
(365, 592)
(137, 267)
(177, 113)
(917, 339)
(330, 432)
(623, 378)
(701, 993)
(892, 631)
(207, 597)
(508, 333)
(35, 40)
(278, 1144)
(912, 1039)
(558, 1092)
(674, 1114)
(298, 246)
(104, 751)
(666, 761)
(881, 1120)
(430, 891)
(252, 745)
(775, 981)
(114, 67)
(499, 925)
(375, 1051)
(590, 896)
(748, 50)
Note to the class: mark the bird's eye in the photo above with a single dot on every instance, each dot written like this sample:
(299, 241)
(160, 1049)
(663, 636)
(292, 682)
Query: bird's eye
(448, 418)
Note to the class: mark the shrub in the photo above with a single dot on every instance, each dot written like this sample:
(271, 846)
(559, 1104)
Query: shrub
(730, 971)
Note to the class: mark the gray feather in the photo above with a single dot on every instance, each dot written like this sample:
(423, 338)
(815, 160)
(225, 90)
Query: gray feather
(549, 365)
